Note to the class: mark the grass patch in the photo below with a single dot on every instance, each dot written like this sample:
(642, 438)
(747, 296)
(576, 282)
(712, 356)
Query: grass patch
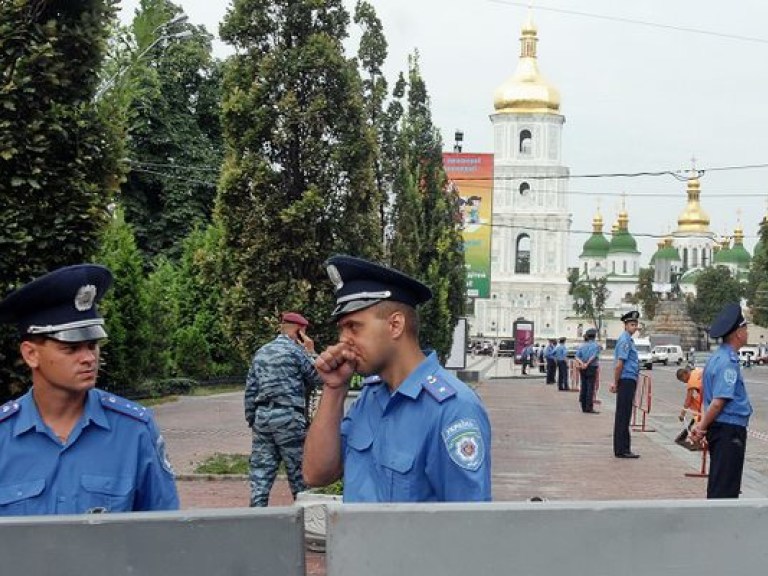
(335, 489)
(224, 464)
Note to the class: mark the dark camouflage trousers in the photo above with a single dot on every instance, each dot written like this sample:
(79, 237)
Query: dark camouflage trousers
(278, 434)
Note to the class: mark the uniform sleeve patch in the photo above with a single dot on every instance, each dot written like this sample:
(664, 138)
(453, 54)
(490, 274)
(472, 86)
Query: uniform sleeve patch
(162, 454)
(464, 443)
(730, 376)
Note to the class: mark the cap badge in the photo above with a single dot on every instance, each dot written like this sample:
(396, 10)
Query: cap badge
(333, 274)
(85, 297)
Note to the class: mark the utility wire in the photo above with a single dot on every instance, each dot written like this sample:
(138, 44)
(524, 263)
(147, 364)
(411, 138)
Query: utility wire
(142, 163)
(164, 175)
(624, 20)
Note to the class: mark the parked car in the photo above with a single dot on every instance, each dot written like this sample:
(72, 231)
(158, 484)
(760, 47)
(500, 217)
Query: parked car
(570, 351)
(506, 347)
(667, 354)
(749, 355)
(644, 356)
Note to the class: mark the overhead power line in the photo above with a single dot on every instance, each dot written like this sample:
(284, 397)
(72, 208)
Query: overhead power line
(624, 20)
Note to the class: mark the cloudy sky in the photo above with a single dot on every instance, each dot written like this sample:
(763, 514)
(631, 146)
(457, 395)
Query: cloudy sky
(636, 97)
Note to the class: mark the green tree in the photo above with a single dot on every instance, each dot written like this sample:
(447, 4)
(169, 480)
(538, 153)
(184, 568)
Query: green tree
(298, 179)
(589, 298)
(165, 93)
(756, 288)
(644, 295)
(125, 354)
(57, 156)
(371, 55)
(715, 287)
(426, 240)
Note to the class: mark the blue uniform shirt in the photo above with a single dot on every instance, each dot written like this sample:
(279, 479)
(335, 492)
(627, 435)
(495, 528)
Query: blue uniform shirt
(429, 441)
(722, 379)
(560, 353)
(589, 349)
(113, 461)
(626, 351)
(549, 352)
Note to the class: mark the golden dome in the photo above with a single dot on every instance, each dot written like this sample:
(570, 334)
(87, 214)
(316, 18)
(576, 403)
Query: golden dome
(693, 218)
(527, 91)
(738, 234)
(597, 223)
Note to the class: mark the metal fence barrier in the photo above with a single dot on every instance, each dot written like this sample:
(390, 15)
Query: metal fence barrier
(548, 538)
(264, 542)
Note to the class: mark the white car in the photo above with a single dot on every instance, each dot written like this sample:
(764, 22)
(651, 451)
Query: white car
(644, 356)
(667, 354)
(749, 355)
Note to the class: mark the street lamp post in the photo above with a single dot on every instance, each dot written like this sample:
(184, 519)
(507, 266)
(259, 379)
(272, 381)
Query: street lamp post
(137, 58)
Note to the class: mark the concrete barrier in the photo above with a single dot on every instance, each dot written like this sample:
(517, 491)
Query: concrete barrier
(193, 543)
(543, 539)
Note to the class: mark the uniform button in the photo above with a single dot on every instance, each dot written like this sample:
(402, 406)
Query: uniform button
(19, 493)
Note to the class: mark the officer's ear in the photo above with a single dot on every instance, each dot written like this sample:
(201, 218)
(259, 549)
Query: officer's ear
(397, 324)
(30, 352)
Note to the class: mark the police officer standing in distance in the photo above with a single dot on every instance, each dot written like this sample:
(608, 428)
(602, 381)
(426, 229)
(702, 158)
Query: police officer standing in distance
(588, 360)
(420, 434)
(625, 374)
(65, 446)
(281, 374)
(727, 406)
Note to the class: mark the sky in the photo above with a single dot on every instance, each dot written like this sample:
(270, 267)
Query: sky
(636, 98)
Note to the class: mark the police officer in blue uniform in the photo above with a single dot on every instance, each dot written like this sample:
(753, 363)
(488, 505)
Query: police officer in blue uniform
(549, 357)
(588, 359)
(625, 374)
(66, 447)
(726, 404)
(418, 434)
(560, 355)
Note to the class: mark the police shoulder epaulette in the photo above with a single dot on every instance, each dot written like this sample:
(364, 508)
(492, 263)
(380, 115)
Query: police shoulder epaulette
(9, 409)
(371, 380)
(733, 356)
(438, 388)
(123, 406)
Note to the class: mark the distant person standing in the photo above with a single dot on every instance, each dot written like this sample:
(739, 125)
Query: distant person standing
(725, 421)
(561, 355)
(540, 359)
(525, 358)
(281, 374)
(625, 374)
(549, 357)
(588, 359)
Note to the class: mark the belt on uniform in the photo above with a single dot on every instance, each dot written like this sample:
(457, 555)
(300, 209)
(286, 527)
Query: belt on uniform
(272, 404)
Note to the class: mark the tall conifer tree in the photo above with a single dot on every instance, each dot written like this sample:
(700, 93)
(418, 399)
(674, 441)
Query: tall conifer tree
(298, 179)
(427, 242)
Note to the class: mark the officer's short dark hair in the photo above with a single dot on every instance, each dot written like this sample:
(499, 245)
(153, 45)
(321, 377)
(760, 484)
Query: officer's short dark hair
(387, 307)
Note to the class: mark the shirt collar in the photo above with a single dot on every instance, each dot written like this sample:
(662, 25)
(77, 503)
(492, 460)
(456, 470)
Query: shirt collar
(413, 385)
(29, 416)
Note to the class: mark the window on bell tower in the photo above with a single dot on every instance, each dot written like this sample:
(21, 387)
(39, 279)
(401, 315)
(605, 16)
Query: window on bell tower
(523, 254)
(526, 142)
(524, 188)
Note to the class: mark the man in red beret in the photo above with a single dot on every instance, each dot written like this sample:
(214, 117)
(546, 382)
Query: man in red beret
(281, 374)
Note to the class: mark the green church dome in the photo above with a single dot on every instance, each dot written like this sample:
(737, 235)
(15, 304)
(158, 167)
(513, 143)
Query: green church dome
(596, 246)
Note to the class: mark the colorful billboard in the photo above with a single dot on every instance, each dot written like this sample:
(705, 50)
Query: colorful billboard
(471, 176)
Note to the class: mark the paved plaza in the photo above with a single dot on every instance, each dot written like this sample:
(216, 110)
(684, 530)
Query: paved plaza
(543, 445)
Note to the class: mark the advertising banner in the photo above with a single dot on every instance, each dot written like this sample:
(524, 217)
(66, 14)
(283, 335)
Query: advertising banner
(471, 176)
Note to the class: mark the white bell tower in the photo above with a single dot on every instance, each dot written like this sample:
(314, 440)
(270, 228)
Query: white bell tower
(531, 222)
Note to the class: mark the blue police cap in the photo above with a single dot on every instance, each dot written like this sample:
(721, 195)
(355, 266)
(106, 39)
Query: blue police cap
(631, 316)
(60, 305)
(359, 284)
(727, 321)
(590, 334)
